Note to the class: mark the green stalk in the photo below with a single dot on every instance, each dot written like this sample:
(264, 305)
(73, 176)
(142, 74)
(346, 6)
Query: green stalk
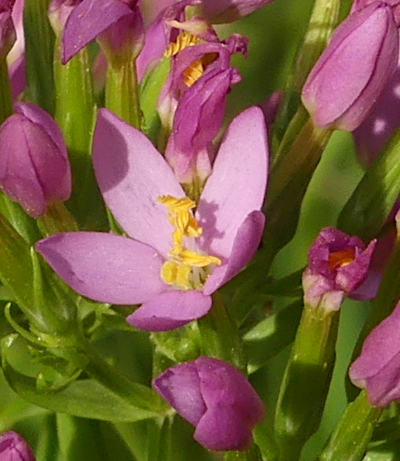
(57, 219)
(220, 337)
(306, 381)
(6, 103)
(122, 92)
(253, 454)
(289, 180)
(39, 43)
(351, 437)
(75, 113)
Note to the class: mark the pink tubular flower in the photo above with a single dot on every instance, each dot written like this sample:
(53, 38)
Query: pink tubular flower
(173, 261)
(117, 24)
(377, 369)
(34, 165)
(354, 69)
(337, 265)
(16, 57)
(194, 97)
(14, 448)
(216, 398)
(165, 29)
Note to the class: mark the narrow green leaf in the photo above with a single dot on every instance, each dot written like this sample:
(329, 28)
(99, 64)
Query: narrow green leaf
(271, 335)
(39, 43)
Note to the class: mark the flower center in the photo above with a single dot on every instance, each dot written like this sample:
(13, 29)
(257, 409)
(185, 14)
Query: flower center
(341, 258)
(186, 269)
(193, 72)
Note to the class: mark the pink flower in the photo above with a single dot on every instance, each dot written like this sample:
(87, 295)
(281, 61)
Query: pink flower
(171, 263)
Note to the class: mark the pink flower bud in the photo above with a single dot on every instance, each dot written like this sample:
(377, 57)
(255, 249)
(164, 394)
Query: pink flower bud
(34, 165)
(216, 398)
(354, 69)
(14, 448)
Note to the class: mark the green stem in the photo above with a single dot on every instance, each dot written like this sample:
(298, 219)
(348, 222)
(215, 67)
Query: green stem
(220, 337)
(57, 219)
(6, 103)
(39, 42)
(75, 113)
(107, 375)
(252, 454)
(122, 92)
(289, 180)
(349, 441)
(306, 381)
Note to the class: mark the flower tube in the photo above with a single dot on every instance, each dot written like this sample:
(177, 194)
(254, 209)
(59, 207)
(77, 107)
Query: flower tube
(173, 260)
(216, 398)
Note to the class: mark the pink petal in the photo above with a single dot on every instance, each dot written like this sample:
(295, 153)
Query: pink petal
(222, 429)
(89, 19)
(170, 310)
(105, 267)
(132, 174)
(180, 387)
(237, 184)
(244, 247)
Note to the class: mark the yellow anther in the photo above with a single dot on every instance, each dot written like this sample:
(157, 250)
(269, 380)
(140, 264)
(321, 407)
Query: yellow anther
(192, 73)
(176, 204)
(183, 268)
(176, 274)
(194, 259)
(183, 40)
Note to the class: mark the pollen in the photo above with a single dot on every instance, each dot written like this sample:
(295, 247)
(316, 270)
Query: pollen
(184, 40)
(192, 73)
(341, 258)
(186, 269)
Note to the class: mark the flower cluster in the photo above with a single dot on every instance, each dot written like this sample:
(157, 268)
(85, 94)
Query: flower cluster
(142, 212)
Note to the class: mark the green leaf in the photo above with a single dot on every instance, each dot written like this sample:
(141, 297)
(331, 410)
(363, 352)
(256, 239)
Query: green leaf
(85, 398)
(39, 39)
(368, 208)
(150, 90)
(271, 335)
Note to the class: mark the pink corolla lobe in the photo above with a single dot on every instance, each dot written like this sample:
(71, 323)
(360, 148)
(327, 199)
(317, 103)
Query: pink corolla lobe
(117, 24)
(14, 448)
(354, 69)
(215, 398)
(337, 265)
(377, 369)
(34, 164)
(132, 176)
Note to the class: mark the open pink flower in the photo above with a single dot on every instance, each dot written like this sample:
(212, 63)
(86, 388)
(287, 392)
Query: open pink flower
(160, 265)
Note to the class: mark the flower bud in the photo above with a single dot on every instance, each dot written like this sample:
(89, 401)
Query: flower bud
(14, 448)
(34, 165)
(223, 11)
(354, 69)
(216, 398)
(377, 368)
(337, 265)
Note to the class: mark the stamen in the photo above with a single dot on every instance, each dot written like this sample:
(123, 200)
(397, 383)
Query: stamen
(187, 269)
(183, 40)
(194, 259)
(192, 73)
(341, 258)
